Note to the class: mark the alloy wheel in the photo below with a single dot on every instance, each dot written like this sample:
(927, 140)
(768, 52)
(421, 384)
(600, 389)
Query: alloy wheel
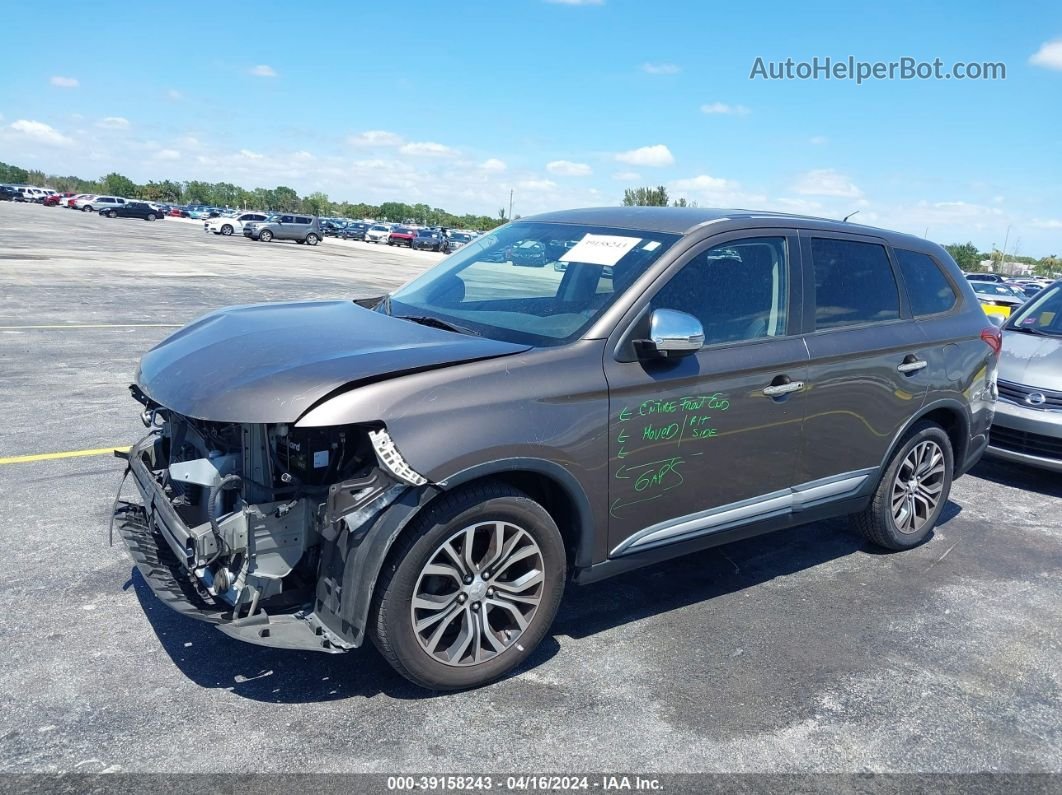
(917, 488)
(478, 593)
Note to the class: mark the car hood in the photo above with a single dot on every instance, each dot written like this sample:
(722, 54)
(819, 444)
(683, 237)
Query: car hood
(1031, 360)
(271, 362)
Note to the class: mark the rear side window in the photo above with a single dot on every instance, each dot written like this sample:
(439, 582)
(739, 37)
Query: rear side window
(301, 219)
(927, 288)
(854, 283)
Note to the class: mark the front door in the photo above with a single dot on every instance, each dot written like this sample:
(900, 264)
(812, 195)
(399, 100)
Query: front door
(706, 441)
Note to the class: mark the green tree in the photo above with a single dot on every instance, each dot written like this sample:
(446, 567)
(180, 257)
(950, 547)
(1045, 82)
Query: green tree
(13, 174)
(645, 197)
(317, 203)
(965, 255)
(118, 185)
(286, 198)
(394, 211)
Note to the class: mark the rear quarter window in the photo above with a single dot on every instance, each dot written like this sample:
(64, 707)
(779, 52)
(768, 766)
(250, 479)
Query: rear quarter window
(928, 289)
(299, 219)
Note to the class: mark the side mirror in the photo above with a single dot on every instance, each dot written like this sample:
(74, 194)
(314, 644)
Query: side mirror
(672, 334)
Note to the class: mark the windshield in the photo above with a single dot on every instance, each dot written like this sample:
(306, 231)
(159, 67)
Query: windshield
(991, 288)
(533, 283)
(1043, 314)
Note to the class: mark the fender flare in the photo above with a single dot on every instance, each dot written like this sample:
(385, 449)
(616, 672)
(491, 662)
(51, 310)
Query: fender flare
(945, 403)
(367, 546)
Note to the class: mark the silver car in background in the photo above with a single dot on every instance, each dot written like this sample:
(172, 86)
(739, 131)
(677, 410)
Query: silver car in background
(1028, 423)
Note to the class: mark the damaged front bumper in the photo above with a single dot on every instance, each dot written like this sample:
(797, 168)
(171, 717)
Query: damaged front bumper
(170, 556)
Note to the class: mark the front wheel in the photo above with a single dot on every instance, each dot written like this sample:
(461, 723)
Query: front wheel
(265, 235)
(226, 230)
(912, 492)
(86, 209)
(151, 216)
(471, 589)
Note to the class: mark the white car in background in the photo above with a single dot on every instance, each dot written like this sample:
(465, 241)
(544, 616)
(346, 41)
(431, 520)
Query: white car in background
(73, 201)
(377, 233)
(226, 226)
(97, 203)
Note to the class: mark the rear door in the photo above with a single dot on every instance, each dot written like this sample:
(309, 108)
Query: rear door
(869, 362)
(708, 440)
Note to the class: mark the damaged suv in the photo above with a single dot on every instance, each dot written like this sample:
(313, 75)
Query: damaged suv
(430, 468)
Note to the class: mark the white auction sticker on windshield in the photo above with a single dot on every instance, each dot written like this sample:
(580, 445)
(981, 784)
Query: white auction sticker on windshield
(600, 249)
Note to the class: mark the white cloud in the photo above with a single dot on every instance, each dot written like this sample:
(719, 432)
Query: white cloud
(174, 94)
(723, 109)
(652, 156)
(114, 123)
(661, 68)
(493, 165)
(709, 191)
(167, 154)
(65, 82)
(818, 140)
(375, 138)
(40, 132)
(251, 155)
(704, 182)
(627, 176)
(1046, 223)
(426, 149)
(537, 184)
(566, 168)
(1049, 55)
(303, 155)
(262, 70)
(827, 182)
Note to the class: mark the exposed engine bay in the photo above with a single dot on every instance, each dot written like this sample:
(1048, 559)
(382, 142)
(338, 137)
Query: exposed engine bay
(247, 508)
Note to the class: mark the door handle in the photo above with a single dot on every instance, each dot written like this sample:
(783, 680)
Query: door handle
(911, 365)
(777, 390)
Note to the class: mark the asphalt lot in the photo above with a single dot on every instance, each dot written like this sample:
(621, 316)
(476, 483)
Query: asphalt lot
(805, 651)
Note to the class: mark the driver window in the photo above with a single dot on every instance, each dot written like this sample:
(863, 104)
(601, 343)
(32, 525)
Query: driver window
(738, 290)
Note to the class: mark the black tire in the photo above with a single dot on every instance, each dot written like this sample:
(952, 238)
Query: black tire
(391, 622)
(878, 522)
(312, 239)
(86, 209)
(300, 242)
(265, 236)
(226, 230)
(151, 216)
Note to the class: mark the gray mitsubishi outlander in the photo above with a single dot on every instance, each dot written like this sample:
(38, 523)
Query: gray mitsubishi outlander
(430, 468)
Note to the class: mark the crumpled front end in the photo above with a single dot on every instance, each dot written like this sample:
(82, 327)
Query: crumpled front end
(234, 519)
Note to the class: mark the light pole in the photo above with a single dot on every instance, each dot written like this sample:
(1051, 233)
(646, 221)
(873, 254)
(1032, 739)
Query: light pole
(510, 204)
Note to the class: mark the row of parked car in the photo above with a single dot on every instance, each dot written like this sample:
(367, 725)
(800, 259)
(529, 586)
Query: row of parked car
(1000, 296)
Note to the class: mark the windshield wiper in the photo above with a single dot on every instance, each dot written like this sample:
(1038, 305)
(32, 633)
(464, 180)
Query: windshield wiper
(1031, 330)
(434, 322)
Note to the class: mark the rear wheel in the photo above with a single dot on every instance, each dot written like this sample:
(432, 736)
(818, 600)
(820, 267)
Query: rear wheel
(912, 492)
(312, 239)
(471, 589)
(265, 235)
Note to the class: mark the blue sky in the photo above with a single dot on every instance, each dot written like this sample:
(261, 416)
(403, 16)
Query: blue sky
(565, 103)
